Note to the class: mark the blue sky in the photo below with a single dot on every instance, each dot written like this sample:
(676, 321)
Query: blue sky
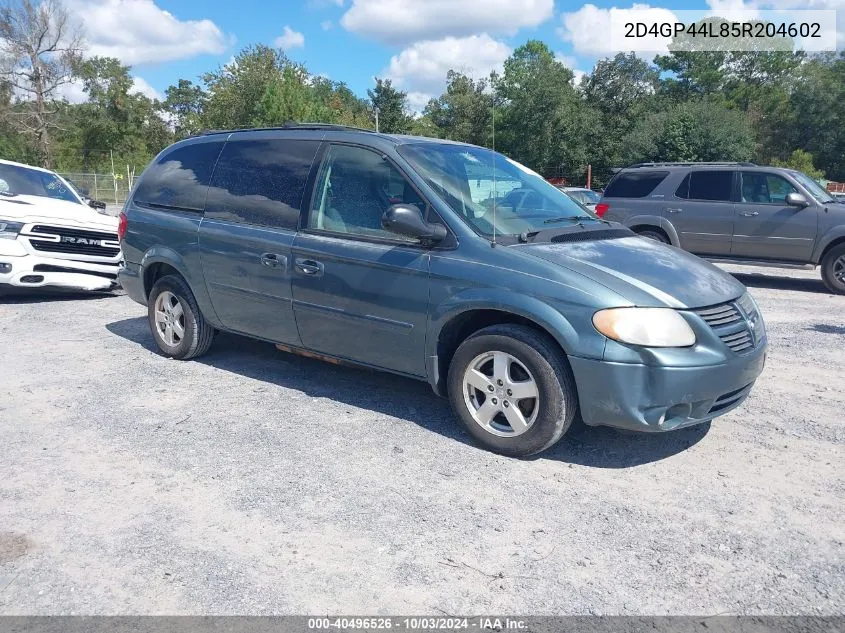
(414, 42)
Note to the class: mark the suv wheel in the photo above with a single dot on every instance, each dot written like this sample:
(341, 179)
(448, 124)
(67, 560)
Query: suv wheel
(833, 269)
(178, 327)
(512, 389)
(657, 236)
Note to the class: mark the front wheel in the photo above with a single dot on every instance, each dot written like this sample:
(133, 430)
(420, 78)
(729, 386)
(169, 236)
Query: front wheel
(833, 269)
(178, 326)
(512, 389)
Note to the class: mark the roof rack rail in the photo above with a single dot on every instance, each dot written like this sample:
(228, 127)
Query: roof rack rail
(290, 125)
(689, 163)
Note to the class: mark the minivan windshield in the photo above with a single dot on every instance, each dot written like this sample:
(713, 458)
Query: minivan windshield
(484, 187)
(816, 190)
(16, 180)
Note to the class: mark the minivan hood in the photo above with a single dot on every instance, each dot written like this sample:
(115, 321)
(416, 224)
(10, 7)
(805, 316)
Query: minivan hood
(644, 271)
(33, 209)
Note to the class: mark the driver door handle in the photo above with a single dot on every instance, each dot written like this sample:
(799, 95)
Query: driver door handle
(674, 210)
(308, 267)
(272, 260)
(749, 214)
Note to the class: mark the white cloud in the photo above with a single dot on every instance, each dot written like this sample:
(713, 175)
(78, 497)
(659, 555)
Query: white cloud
(138, 31)
(402, 21)
(289, 39)
(141, 86)
(588, 28)
(421, 68)
(72, 91)
(326, 25)
(417, 101)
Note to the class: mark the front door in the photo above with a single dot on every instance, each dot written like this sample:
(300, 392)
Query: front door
(251, 217)
(702, 212)
(765, 226)
(360, 292)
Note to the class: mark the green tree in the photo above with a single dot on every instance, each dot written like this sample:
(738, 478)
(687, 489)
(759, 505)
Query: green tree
(543, 121)
(818, 110)
(114, 122)
(236, 89)
(392, 107)
(184, 103)
(694, 131)
(464, 112)
(800, 161)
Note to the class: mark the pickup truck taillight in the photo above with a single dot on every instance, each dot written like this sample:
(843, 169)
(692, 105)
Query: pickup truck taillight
(121, 226)
(601, 209)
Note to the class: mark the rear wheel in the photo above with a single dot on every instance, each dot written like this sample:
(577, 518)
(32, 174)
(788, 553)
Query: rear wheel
(178, 327)
(651, 234)
(512, 389)
(833, 269)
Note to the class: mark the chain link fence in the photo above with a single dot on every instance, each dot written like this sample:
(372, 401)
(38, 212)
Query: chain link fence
(113, 189)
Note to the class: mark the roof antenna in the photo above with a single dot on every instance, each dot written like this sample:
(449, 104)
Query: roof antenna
(493, 243)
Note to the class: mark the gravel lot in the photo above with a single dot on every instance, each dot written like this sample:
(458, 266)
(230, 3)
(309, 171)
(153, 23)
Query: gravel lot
(251, 481)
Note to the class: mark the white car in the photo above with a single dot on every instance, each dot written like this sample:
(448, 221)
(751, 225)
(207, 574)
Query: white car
(50, 237)
(587, 197)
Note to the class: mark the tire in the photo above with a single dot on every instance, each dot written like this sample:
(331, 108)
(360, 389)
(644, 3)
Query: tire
(833, 269)
(530, 356)
(657, 236)
(197, 335)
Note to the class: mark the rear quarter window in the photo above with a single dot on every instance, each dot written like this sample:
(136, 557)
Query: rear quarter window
(180, 178)
(634, 184)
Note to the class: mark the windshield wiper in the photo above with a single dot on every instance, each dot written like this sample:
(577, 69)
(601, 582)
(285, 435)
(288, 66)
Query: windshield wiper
(570, 218)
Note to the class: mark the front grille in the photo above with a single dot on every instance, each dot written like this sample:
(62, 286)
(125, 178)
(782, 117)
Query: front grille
(730, 322)
(66, 243)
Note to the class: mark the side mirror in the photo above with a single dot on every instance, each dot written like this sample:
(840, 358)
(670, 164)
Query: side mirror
(407, 220)
(96, 204)
(796, 200)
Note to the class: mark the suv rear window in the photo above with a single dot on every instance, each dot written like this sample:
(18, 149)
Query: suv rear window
(179, 180)
(634, 184)
(715, 185)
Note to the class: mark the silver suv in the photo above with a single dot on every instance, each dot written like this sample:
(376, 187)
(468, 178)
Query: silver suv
(738, 213)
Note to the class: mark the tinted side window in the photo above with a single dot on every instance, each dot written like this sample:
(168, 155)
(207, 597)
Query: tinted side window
(261, 181)
(634, 184)
(180, 178)
(356, 186)
(764, 188)
(711, 185)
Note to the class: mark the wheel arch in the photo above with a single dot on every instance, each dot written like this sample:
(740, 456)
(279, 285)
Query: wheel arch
(454, 326)
(654, 222)
(831, 240)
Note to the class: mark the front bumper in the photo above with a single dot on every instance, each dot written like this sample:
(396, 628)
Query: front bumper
(660, 398)
(33, 271)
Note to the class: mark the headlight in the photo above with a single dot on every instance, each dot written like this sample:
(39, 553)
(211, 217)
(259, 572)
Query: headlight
(649, 327)
(9, 230)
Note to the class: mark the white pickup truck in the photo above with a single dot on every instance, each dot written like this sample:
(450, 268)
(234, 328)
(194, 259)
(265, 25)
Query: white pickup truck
(49, 236)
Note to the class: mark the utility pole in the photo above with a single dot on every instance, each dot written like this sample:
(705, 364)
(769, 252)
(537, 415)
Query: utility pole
(375, 111)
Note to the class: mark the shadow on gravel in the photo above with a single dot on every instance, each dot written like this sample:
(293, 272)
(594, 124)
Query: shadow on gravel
(42, 295)
(825, 328)
(408, 399)
(757, 280)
